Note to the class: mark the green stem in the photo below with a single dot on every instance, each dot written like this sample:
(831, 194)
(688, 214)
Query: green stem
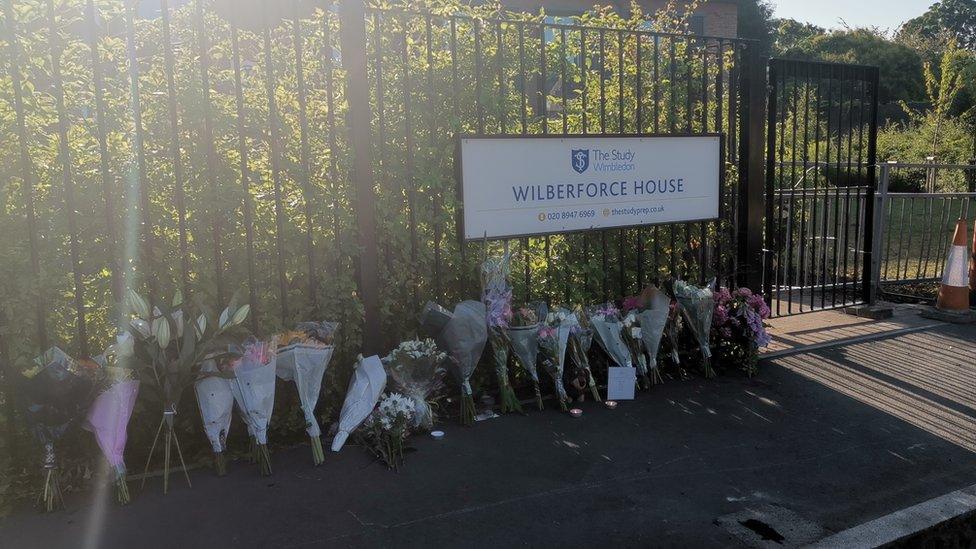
(508, 399)
(264, 460)
(467, 410)
(593, 388)
(538, 396)
(220, 463)
(318, 456)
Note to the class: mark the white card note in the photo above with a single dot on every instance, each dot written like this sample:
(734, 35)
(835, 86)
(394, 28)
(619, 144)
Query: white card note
(621, 382)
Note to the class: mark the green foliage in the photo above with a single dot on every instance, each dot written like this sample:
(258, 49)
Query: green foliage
(911, 143)
(301, 243)
(952, 19)
(900, 66)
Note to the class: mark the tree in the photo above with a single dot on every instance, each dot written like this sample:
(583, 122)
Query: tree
(943, 89)
(792, 38)
(955, 17)
(900, 65)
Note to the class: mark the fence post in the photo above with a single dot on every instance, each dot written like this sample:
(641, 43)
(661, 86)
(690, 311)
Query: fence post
(352, 44)
(872, 233)
(749, 223)
(971, 176)
(880, 200)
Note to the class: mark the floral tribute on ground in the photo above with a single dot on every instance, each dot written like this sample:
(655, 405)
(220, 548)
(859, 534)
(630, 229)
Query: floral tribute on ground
(387, 427)
(496, 293)
(303, 357)
(163, 353)
(738, 328)
(56, 392)
(108, 417)
(417, 370)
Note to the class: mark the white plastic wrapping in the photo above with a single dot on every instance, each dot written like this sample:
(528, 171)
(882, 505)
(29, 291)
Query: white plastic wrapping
(215, 399)
(306, 366)
(653, 320)
(367, 384)
(254, 391)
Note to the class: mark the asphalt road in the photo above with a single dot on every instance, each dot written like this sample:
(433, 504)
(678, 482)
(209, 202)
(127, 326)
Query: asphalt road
(659, 471)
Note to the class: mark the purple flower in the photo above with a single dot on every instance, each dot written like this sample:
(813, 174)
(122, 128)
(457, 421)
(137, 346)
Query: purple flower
(723, 296)
(743, 292)
(632, 302)
(759, 334)
(721, 316)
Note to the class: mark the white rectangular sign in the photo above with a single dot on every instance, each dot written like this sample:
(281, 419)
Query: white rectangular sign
(520, 186)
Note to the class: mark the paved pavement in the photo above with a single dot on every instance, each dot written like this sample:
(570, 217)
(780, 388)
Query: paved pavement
(818, 443)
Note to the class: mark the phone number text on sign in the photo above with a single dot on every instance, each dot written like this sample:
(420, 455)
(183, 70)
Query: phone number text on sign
(530, 185)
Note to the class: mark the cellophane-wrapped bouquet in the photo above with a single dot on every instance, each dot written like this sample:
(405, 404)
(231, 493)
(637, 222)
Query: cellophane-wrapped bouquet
(108, 417)
(523, 333)
(417, 370)
(463, 338)
(365, 389)
(387, 427)
(580, 340)
(553, 340)
(738, 324)
(56, 393)
(652, 310)
(215, 398)
(697, 306)
(631, 334)
(303, 357)
(607, 326)
(254, 391)
(496, 293)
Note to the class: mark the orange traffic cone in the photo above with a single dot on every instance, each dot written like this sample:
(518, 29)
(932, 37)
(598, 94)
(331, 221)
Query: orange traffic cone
(972, 270)
(954, 290)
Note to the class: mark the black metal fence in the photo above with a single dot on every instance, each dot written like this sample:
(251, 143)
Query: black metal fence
(820, 174)
(209, 148)
(917, 227)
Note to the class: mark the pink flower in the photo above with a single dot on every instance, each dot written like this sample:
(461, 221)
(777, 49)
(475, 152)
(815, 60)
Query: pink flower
(546, 332)
(743, 292)
(723, 296)
(720, 316)
(631, 302)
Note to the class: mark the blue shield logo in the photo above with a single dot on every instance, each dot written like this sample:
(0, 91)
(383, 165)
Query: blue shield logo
(581, 159)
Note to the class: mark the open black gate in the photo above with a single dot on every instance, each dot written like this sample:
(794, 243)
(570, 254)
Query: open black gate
(820, 182)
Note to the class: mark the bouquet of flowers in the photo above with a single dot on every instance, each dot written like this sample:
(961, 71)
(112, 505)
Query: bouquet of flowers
(56, 393)
(464, 337)
(108, 417)
(215, 398)
(417, 369)
(605, 320)
(254, 391)
(496, 293)
(631, 333)
(653, 309)
(167, 353)
(553, 340)
(697, 306)
(580, 340)
(387, 427)
(304, 358)
(738, 324)
(523, 334)
(365, 387)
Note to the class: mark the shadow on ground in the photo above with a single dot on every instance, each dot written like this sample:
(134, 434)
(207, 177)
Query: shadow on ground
(832, 439)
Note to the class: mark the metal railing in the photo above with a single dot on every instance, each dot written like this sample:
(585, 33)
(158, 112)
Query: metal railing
(914, 228)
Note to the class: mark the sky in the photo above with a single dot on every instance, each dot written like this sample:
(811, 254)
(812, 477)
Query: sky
(885, 14)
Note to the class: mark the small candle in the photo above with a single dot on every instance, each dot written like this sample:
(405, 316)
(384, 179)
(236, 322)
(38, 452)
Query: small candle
(576, 412)
(437, 434)
(611, 404)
